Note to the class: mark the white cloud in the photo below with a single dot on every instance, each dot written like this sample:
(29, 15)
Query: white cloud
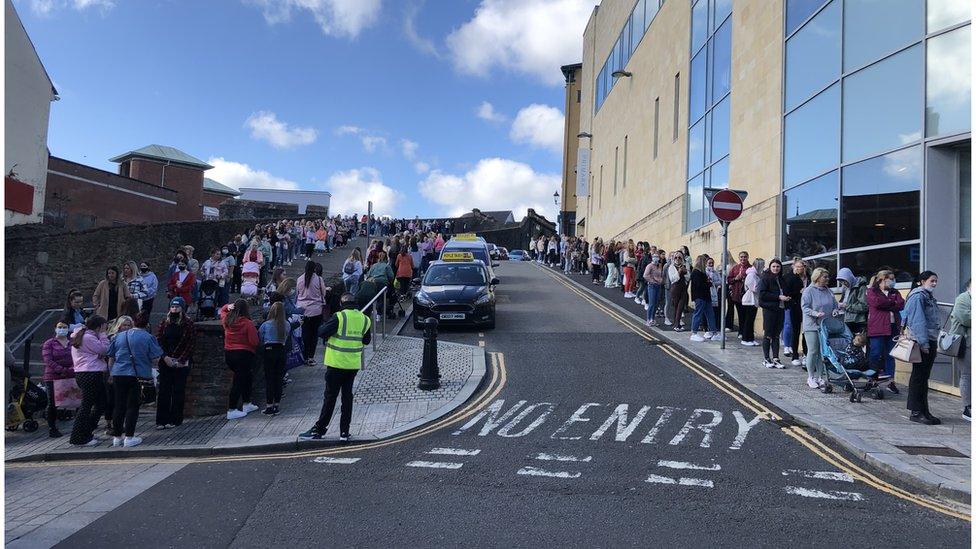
(265, 125)
(370, 140)
(46, 7)
(348, 130)
(237, 175)
(532, 37)
(486, 111)
(422, 44)
(409, 148)
(493, 184)
(540, 126)
(421, 167)
(335, 17)
(352, 190)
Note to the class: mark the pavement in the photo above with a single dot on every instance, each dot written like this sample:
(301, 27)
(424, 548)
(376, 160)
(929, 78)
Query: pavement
(591, 432)
(936, 458)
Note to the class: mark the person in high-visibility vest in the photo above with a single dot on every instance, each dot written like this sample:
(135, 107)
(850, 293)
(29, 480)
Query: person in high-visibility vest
(345, 335)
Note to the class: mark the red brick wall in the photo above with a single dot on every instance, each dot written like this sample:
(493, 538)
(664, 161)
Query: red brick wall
(213, 200)
(185, 180)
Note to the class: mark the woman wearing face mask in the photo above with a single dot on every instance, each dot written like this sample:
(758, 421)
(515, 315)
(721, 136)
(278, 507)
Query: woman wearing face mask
(181, 283)
(57, 366)
(654, 276)
(89, 344)
(884, 318)
(150, 286)
(110, 294)
(176, 335)
(922, 321)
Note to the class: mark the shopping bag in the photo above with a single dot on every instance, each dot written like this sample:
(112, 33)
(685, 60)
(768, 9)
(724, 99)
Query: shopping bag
(906, 349)
(67, 394)
(295, 356)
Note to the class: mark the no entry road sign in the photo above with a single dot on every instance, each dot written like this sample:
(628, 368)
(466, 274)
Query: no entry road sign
(727, 205)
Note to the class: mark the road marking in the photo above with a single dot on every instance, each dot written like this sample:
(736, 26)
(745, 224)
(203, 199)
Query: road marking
(453, 452)
(683, 481)
(536, 472)
(481, 343)
(686, 465)
(561, 457)
(337, 461)
(435, 464)
(822, 475)
(824, 494)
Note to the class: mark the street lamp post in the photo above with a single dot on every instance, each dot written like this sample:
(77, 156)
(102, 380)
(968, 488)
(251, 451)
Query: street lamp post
(559, 214)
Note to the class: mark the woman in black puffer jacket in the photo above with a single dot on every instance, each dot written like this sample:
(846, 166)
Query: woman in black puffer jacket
(773, 300)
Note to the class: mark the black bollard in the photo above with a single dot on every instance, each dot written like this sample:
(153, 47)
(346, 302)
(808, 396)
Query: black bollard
(430, 376)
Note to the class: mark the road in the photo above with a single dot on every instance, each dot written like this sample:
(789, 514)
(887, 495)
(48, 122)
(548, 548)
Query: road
(590, 434)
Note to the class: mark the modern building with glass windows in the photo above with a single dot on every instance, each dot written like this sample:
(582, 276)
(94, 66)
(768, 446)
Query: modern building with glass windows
(846, 121)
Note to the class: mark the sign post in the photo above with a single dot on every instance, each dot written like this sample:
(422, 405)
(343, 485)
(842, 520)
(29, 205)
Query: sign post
(727, 207)
(369, 220)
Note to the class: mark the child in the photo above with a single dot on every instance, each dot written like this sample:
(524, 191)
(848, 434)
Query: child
(854, 357)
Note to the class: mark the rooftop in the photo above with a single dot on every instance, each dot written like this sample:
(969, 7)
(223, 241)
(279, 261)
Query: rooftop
(164, 153)
(218, 187)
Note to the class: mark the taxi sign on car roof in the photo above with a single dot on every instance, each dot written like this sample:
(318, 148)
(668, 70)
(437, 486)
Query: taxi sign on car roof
(457, 256)
(466, 236)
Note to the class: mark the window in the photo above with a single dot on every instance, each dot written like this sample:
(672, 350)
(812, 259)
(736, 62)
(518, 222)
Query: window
(810, 212)
(719, 174)
(872, 125)
(657, 113)
(948, 83)
(722, 8)
(625, 163)
(874, 28)
(812, 142)
(699, 25)
(880, 199)
(649, 13)
(696, 148)
(903, 260)
(616, 158)
(813, 56)
(722, 62)
(720, 130)
(696, 92)
(627, 41)
(637, 24)
(677, 94)
(946, 13)
(797, 11)
(694, 202)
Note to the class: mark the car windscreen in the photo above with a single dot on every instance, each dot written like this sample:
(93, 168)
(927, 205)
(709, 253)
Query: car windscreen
(468, 274)
(479, 252)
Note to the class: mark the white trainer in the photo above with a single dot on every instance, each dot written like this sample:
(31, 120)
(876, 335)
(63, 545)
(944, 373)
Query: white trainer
(811, 383)
(249, 407)
(696, 337)
(116, 442)
(795, 362)
(132, 441)
(709, 335)
(768, 364)
(667, 322)
(235, 414)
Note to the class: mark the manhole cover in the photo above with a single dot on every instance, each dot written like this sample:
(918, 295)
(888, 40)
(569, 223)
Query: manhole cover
(931, 451)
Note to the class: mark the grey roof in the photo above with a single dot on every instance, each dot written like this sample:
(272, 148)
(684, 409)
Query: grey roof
(218, 187)
(162, 152)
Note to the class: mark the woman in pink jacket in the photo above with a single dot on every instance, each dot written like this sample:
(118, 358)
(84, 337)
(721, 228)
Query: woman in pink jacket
(89, 344)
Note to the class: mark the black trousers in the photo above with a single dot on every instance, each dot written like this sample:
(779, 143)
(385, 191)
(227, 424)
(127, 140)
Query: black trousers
(337, 380)
(310, 335)
(171, 395)
(747, 321)
(730, 309)
(109, 402)
(241, 363)
(772, 328)
(274, 371)
(147, 306)
(918, 383)
(92, 385)
(126, 405)
(309, 250)
(52, 408)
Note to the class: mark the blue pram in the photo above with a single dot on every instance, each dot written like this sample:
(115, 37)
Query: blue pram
(835, 338)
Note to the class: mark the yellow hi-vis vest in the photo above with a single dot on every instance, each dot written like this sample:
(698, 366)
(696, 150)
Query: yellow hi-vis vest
(344, 349)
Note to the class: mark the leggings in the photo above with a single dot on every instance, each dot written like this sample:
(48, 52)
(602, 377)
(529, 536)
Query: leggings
(772, 326)
(92, 386)
(310, 335)
(309, 249)
(747, 321)
(796, 322)
(126, 405)
(628, 279)
(274, 371)
(597, 270)
(240, 363)
(814, 360)
(52, 409)
(679, 301)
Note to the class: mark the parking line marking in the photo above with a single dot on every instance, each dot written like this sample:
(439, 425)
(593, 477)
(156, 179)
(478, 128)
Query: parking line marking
(561, 457)
(435, 464)
(336, 460)
(822, 475)
(536, 472)
(824, 494)
(453, 452)
(481, 344)
(683, 481)
(685, 465)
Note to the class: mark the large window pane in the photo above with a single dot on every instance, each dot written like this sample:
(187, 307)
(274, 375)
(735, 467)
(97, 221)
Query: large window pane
(880, 201)
(946, 13)
(699, 25)
(811, 217)
(719, 178)
(649, 12)
(965, 194)
(693, 204)
(873, 28)
(618, 55)
(637, 24)
(949, 83)
(813, 56)
(903, 260)
(625, 44)
(828, 262)
(696, 148)
(722, 10)
(812, 137)
(797, 11)
(696, 92)
(882, 105)
(722, 61)
(720, 129)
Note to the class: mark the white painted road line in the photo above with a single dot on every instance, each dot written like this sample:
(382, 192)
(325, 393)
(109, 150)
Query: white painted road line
(822, 475)
(561, 457)
(536, 472)
(686, 465)
(338, 461)
(435, 464)
(453, 452)
(824, 494)
(683, 481)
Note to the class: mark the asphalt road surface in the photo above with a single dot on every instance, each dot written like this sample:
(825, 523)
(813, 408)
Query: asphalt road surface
(596, 437)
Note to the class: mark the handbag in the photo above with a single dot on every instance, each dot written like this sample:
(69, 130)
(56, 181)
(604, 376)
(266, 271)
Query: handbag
(906, 349)
(67, 394)
(147, 387)
(948, 343)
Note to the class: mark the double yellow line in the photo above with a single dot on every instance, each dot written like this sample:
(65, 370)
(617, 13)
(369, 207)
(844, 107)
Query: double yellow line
(499, 377)
(797, 433)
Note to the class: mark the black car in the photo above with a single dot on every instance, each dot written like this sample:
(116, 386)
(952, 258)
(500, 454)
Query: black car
(456, 292)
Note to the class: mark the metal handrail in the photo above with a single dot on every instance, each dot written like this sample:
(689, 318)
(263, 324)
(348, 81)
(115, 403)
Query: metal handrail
(28, 332)
(372, 324)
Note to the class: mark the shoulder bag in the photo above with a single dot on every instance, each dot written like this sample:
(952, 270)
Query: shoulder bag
(147, 387)
(906, 349)
(950, 344)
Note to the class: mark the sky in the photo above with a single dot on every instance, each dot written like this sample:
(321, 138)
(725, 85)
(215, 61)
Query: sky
(424, 107)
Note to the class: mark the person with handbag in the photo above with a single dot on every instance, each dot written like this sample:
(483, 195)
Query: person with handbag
(132, 355)
(794, 282)
(922, 323)
(884, 314)
(817, 302)
(58, 369)
(176, 335)
(750, 303)
(89, 343)
(959, 321)
(736, 285)
(274, 334)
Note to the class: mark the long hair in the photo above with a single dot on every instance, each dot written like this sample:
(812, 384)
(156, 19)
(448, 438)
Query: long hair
(94, 322)
(278, 275)
(240, 311)
(118, 278)
(700, 262)
(309, 271)
(922, 277)
(133, 268)
(276, 314)
(72, 293)
(114, 326)
(759, 264)
(286, 286)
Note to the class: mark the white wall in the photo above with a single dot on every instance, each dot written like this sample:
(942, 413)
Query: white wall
(27, 107)
(304, 199)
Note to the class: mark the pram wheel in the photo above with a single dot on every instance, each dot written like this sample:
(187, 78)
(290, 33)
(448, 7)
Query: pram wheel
(848, 387)
(30, 426)
(827, 388)
(879, 394)
(859, 395)
(853, 397)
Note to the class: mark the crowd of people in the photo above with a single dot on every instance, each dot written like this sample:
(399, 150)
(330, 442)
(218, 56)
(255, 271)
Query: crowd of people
(794, 300)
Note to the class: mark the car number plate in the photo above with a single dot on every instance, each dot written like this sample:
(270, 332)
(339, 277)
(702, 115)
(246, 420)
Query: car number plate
(452, 316)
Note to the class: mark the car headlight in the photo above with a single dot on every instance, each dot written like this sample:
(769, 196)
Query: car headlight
(483, 299)
(424, 300)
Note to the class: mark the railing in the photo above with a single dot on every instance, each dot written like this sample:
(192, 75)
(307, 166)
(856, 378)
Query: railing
(372, 324)
(23, 339)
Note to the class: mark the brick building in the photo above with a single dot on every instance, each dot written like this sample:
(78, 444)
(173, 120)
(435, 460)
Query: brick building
(215, 193)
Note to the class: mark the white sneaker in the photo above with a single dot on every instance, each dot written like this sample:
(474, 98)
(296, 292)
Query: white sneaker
(646, 307)
(811, 383)
(629, 295)
(116, 442)
(709, 335)
(132, 441)
(795, 362)
(768, 364)
(777, 364)
(746, 343)
(667, 322)
(248, 408)
(696, 337)
(788, 351)
(754, 343)
(235, 414)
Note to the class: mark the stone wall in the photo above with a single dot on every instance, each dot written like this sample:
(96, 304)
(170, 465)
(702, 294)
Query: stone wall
(250, 209)
(208, 386)
(516, 236)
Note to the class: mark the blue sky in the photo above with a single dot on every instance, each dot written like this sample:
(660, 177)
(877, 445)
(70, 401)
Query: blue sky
(370, 99)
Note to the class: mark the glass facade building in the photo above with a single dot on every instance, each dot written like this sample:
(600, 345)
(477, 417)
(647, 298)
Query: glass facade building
(630, 36)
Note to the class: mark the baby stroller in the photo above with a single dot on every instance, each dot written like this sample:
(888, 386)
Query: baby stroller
(250, 275)
(26, 399)
(207, 304)
(835, 338)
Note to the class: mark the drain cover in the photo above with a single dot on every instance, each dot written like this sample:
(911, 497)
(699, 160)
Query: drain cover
(931, 451)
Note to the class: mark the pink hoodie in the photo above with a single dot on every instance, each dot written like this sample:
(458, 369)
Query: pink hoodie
(88, 358)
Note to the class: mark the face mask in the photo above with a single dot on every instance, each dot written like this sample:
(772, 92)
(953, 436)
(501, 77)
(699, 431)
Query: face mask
(144, 269)
(182, 267)
(654, 260)
(224, 252)
(174, 317)
(61, 332)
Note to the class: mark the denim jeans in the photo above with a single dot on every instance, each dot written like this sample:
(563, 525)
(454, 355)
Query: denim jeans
(653, 291)
(879, 347)
(703, 308)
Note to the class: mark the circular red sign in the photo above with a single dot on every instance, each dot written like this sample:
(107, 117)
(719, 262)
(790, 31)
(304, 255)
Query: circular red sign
(727, 205)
